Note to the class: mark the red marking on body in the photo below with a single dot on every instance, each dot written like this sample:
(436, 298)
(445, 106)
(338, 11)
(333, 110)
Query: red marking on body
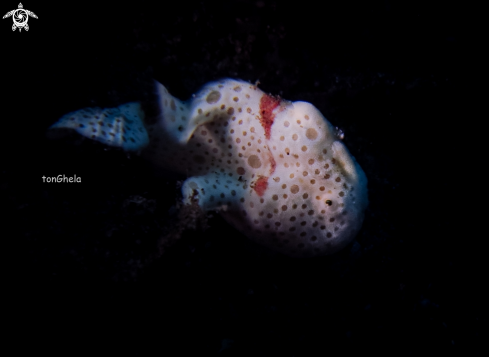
(261, 185)
(273, 164)
(267, 105)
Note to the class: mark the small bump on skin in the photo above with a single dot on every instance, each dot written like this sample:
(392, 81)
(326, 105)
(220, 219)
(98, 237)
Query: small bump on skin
(213, 97)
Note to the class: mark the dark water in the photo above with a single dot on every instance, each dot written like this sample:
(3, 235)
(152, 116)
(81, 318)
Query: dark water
(85, 257)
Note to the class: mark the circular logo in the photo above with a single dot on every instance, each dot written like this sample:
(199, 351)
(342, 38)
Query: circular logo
(20, 17)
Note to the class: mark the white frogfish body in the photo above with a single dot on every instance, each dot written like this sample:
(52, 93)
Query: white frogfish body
(274, 169)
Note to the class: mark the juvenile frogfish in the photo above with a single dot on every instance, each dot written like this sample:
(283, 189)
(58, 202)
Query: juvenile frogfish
(274, 169)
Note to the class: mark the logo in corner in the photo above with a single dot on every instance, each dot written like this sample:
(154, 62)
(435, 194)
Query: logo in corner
(20, 17)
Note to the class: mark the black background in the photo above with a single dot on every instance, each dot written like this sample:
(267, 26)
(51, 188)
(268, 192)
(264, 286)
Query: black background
(87, 261)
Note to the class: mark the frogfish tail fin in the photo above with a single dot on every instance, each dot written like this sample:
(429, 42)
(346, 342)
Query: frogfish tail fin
(122, 126)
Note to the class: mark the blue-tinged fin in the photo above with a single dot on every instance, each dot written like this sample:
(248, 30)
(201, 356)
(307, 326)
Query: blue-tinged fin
(122, 126)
